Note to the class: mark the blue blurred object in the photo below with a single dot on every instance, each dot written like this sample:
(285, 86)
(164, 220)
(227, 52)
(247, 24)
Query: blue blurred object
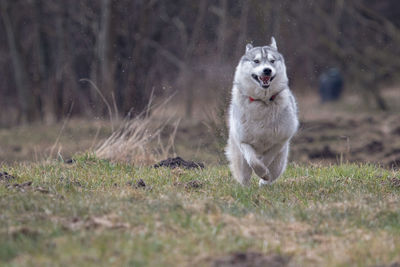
(330, 85)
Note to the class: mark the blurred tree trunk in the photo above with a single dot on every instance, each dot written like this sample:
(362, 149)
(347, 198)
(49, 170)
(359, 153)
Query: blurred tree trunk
(41, 79)
(222, 27)
(104, 47)
(102, 72)
(185, 72)
(240, 46)
(58, 90)
(25, 95)
(276, 11)
(135, 99)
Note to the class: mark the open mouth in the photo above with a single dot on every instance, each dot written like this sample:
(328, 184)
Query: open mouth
(263, 80)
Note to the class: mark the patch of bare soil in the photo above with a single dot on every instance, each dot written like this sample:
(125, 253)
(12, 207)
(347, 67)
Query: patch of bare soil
(254, 259)
(351, 138)
(394, 264)
(323, 139)
(179, 162)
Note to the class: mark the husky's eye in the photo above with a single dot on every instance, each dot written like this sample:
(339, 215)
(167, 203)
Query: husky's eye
(256, 61)
(272, 61)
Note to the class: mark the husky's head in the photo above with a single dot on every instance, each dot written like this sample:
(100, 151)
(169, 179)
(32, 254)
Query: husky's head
(261, 68)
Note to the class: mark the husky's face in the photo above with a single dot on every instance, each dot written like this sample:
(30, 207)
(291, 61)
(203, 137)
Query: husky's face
(262, 66)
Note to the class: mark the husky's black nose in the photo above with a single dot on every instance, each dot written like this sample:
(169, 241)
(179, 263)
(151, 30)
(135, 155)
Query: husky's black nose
(267, 71)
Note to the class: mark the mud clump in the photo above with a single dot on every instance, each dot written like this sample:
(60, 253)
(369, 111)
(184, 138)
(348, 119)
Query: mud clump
(178, 162)
(20, 186)
(70, 161)
(194, 184)
(23, 187)
(4, 176)
(139, 184)
(395, 182)
(247, 259)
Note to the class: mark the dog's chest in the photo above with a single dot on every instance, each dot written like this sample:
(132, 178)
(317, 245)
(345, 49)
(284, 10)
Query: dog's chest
(262, 125)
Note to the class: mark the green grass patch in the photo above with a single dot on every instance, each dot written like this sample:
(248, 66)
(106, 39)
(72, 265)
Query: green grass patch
(93, 212)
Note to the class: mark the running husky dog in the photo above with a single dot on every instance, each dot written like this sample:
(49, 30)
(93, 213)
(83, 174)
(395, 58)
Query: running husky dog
(262, 116)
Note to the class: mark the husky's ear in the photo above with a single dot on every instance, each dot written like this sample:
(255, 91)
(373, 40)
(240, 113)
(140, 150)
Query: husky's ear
(248, 47)
(273, 43)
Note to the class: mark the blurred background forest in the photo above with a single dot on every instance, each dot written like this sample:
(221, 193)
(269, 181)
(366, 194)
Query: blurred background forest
(91, 60)
(49, 48)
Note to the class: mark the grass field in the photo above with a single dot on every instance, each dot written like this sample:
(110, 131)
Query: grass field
(94, 212)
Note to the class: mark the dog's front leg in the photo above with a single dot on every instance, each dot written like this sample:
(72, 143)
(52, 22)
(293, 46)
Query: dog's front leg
(254, 161)
(275, 159)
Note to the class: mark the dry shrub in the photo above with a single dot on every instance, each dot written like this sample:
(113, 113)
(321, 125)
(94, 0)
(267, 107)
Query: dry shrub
(138, 141)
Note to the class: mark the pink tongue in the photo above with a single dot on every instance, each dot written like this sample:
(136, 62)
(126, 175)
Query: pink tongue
(265, 79)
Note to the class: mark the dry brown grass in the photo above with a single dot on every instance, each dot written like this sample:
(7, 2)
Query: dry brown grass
(138, 141)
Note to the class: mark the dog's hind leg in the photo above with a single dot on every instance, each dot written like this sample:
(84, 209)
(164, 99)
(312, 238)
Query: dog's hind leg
(241, 171)
(277, 166)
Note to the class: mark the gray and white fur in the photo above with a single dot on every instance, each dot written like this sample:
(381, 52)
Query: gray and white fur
(262, 116)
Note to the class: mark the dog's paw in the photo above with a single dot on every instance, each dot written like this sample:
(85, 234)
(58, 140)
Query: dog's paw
(263, 182)
(261, 171)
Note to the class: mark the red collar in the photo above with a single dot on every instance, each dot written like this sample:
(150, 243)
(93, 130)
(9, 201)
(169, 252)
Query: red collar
(271, 99)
